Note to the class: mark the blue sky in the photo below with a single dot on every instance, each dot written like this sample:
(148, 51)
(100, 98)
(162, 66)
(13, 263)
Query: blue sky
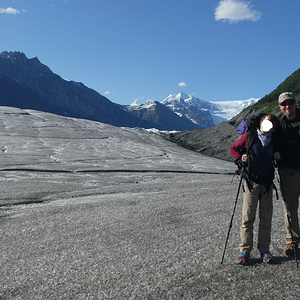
(147, 50)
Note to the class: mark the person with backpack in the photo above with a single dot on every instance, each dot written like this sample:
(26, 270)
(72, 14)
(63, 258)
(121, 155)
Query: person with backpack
(289, 168)
(255, 150)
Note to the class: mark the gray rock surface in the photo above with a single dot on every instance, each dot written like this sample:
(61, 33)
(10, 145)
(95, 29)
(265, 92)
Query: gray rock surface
(213, 141)
(91, 211)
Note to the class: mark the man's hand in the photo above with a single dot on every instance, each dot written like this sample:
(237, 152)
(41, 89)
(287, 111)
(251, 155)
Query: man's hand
(277, 156)
(244, 158)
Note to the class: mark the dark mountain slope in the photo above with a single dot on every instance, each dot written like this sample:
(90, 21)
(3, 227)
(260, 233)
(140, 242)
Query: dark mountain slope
(213, 141)
(27, 83)
(15, 94)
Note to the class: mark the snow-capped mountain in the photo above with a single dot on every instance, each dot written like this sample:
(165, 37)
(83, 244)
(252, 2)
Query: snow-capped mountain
(226, 110)
(196, 110)
(218, 110)
(160, 115)
(183, 100)
(193, 111)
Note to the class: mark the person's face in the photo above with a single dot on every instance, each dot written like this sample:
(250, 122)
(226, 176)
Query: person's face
(266, 126)
(288, 107)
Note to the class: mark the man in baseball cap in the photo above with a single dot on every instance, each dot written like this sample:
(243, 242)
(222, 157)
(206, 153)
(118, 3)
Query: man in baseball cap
(286, 96)
(289, 135)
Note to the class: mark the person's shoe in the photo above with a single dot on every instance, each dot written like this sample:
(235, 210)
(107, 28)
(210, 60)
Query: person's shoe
(267, 257)
(243, 258)
(289, 249)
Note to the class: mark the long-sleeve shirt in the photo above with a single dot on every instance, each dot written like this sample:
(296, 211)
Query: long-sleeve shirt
(239, 146)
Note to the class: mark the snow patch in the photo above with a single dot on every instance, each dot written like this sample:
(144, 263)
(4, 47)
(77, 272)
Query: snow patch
(228, 109)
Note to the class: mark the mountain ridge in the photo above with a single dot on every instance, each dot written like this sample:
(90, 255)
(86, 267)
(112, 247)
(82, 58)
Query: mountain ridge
(200, 112)
(56, 95)
(162, 116)
(27, 83)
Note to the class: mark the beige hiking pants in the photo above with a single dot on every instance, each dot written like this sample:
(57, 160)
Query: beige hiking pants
(260, 196)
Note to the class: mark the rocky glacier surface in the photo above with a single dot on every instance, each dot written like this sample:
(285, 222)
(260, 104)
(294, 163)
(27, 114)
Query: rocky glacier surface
(93, 211)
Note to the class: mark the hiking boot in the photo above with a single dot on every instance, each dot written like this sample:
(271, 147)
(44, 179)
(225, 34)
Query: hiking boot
(267, 257)
(289, 249)
(243, 258)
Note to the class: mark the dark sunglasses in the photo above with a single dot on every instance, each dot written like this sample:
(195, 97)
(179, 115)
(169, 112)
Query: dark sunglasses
(287, 102)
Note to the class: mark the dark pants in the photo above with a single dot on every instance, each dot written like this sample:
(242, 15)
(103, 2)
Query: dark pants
(291, 185)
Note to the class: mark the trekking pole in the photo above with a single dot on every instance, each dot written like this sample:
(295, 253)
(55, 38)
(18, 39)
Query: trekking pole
(230, 225)
(287, 213)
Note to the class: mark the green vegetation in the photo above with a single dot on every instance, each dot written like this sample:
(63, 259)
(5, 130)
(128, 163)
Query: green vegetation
(269, 107)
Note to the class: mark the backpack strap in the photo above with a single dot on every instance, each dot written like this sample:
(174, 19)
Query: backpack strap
(251, 136)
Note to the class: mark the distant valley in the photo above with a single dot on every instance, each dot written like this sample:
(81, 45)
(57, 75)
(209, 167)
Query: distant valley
(29, 84)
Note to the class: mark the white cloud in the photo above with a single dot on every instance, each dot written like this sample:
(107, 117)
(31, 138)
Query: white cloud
(107, 93)
(182, 84)
(9, 10)
(234, 11)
